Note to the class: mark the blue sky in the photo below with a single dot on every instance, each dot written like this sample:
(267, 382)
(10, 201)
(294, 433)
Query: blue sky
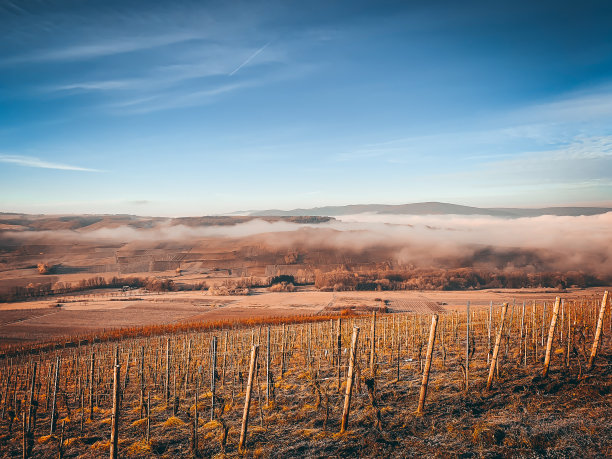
(191, 108)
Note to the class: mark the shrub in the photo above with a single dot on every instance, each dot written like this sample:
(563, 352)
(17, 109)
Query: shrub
(288, 279)
(222, 290)
(282, 287)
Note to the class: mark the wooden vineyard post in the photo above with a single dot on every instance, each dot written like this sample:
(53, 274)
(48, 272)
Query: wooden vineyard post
(32, 403)
(91, 384)
(309, 346)
(60, 453)
(349, 381)
(282, 373)
(82, 410)
(126, 380)
(6, 392)
(194, 445)
(24, 440)
(600, 319)
(467, 350)
(247, 399)
(384, 340)
(551, 336)
(142, 386)
(187, 380)
(167, 380)
(213, 370)
(569, 335)
(522, 329)
(399, 345)
(175, 398)
(489, 331)
(339, 349)
(115, 413)
(54, 400)
(443, 347)
(373, 345)
(156, 372)
(430, 347)
(562, 321)
(543, 324)
(496, 348)
(525, 349)
(534, 331)
(224, 359)
(509, 331)
(268, 367)
(148, 417)
(331, 342)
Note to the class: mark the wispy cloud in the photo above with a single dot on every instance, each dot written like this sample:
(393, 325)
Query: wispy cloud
(104, 48)
(196, 76)
(103, 85)
(192, 97)
(160, 77)
(582, 162)
(30, 161)
(250, 58)
(547, 126)
(581, 106)
(170, 100)
(583, 147)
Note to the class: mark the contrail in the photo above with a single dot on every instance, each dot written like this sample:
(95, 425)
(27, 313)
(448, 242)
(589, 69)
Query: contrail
(250, 58)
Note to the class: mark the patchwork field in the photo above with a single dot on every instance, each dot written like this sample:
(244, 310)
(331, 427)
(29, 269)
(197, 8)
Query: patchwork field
(94, 311)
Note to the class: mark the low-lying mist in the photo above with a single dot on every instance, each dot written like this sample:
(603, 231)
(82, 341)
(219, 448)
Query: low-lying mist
(548, 243)
(553, 243)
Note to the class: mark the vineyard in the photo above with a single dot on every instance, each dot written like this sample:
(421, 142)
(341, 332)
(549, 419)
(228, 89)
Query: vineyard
(505, 380)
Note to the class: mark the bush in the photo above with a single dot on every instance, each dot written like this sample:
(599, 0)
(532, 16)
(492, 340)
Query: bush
(286, 278)
(450, 279)
(282, 287)
(222, 290)
(160, 285)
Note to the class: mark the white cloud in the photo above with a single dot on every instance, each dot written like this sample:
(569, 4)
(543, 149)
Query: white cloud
(29, 161)
(103, 48)
(170, 100)
(557, 124)
(201, 61)
(102, 85)
(578, 106)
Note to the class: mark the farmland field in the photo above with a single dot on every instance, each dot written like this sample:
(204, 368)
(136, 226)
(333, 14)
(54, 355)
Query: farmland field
(208, 345)
(184, 393)
(98, 311)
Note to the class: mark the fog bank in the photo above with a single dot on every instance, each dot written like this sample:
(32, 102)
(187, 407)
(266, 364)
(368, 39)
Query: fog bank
(563, 243)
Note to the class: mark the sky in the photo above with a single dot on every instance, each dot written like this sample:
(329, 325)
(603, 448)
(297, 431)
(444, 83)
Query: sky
(194, 107)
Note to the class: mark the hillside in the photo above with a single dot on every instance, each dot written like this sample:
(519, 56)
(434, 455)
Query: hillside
(433, 208)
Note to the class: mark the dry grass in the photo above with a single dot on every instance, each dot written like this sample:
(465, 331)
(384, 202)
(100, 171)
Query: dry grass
(172, 422)
(139, 448)
(524, 415)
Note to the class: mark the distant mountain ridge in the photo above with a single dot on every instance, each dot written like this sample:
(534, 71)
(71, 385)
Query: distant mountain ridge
(432, 208)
